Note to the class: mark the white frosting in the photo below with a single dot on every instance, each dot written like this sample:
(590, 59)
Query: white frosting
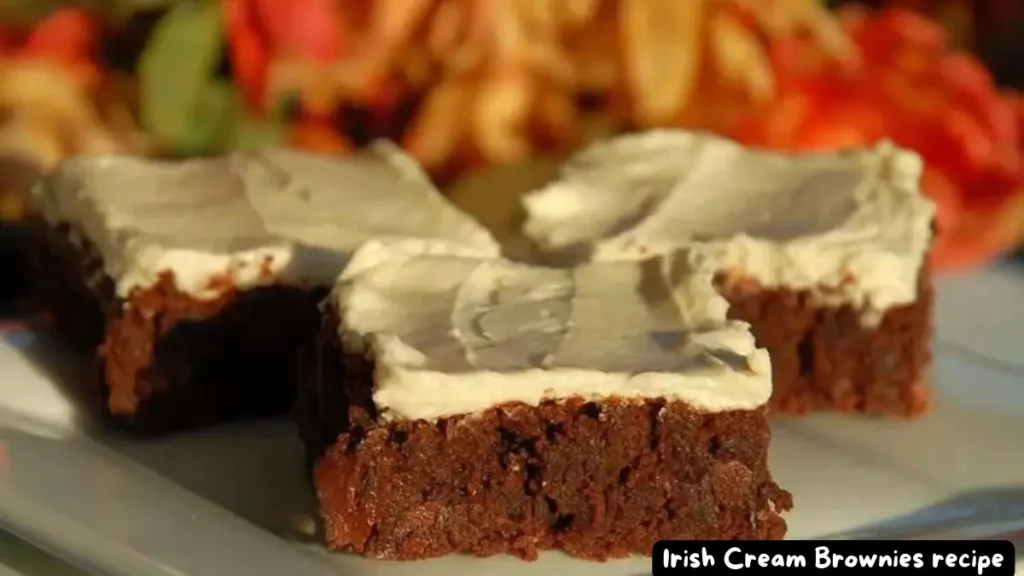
(250, 218)
(454, 335)
(852, 226)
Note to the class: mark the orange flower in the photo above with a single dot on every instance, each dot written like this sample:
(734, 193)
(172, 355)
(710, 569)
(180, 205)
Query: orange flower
(317, 137)
(910, 88)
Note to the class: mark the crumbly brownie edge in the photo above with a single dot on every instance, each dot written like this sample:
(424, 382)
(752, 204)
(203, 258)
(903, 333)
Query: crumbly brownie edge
(331, 384)
(825, 358)
(166, 361)
(596, 480)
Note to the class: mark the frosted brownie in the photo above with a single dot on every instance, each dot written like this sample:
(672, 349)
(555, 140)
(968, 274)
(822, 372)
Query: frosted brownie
(194, 283)
(825, 255)
(482, 406)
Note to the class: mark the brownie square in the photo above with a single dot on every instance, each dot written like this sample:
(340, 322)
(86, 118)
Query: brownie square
(824, 254)
(825, 357)
(160, 360)
(425, 470)
(192, 286)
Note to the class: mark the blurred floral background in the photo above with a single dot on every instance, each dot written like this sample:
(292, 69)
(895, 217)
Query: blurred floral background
(465, 85)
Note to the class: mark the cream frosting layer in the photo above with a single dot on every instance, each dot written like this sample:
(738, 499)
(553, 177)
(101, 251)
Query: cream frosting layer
(250, 218)
(454, 335)
(851, 226)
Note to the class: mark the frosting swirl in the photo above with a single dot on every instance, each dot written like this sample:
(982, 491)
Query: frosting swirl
(852, 225)
(454, 335)
(249, 217)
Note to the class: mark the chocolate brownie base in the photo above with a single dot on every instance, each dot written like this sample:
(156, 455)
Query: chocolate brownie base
(160, 360)
(826, 358)
(596, 480)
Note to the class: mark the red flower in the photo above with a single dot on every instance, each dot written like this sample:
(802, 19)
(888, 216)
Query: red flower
(66, 37)
(261, 31)
(908, 87)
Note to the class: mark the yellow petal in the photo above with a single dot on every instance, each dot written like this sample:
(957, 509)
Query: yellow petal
(556, 114)
(446, 30)
(43, 87)
(829, 33)
(595, 54)
(540, 15)
(541, 31)
(661, 40)
(437, 129)
(32, 138)
(576, 13)
(740, 58)
(500, 111)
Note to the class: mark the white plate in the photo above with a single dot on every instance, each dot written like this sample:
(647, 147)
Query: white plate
(230, 500)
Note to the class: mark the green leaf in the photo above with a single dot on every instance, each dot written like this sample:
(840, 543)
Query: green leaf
(179, 103)
(251, 131)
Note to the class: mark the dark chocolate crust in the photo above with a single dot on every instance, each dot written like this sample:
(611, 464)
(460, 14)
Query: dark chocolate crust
(163, 361)
(596, 480)
(825, 358)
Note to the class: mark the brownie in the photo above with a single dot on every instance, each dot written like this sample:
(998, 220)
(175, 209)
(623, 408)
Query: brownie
(15, 281)
(824, 254)
(160, 360)
(595, 477)
(824, 357)
(193, 285)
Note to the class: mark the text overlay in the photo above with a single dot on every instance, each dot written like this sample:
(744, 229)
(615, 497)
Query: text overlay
(978, 557)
